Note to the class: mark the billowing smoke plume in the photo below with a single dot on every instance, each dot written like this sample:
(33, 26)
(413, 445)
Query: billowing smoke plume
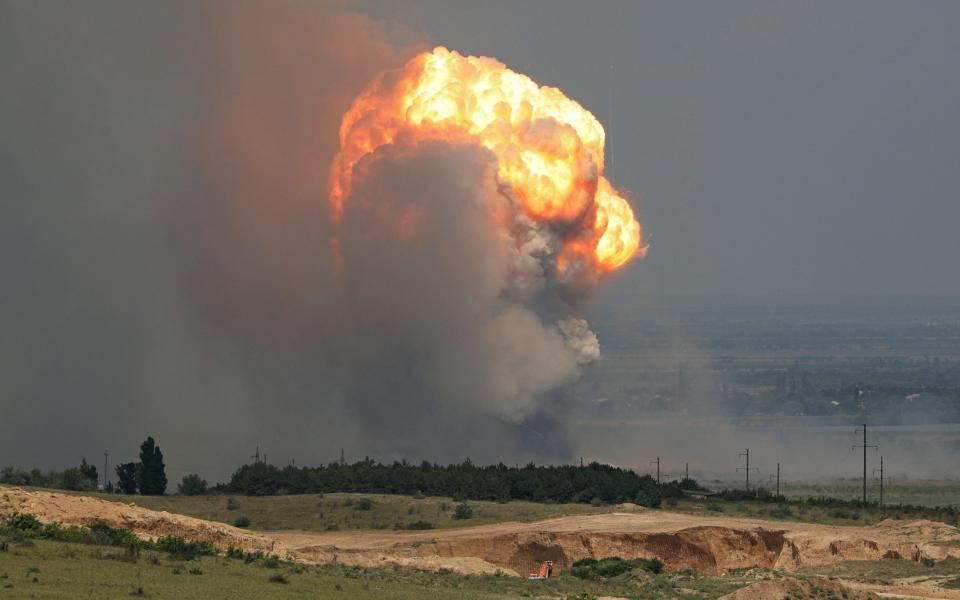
(173, 266)
(421, 302)
(468, 208)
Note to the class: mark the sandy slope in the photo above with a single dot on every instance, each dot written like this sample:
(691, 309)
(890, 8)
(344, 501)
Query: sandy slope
(50, 507)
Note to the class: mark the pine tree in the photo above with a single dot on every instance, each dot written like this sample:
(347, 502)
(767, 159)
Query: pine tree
(151, 474)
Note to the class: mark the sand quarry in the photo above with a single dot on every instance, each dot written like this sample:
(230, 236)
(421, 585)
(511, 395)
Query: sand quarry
(710, 544)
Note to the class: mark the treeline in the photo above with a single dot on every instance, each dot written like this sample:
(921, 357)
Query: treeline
(82, 478)
(593, 483)
(147, 477)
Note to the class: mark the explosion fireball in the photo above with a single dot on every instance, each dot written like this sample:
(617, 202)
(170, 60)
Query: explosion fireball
(548, 149)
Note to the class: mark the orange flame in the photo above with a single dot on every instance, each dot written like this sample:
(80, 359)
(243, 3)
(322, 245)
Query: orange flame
(549, 148)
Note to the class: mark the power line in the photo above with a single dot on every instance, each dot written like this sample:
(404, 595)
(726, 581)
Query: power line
(747, 468)
(865, 445)
(881, 480)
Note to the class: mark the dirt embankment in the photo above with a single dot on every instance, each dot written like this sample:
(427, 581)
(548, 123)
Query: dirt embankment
(709, 545)
(50, 507)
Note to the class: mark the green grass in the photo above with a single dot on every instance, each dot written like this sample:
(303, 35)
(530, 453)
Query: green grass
(319, 512)
(920, 493)
(46, 569)
(825, 515)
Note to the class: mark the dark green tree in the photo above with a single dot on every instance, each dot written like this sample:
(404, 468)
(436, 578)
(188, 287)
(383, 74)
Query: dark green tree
(127, 477)
(192, 485)
(89, 471)
(151, 474)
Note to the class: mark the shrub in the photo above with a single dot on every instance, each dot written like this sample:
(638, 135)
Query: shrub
(606, 568)
(181, 548)
(271, 562)
(419, 525)
(232, 504)
(364, 504)
(462, 511)
(24, 523)
(278, 578)
(241, 521)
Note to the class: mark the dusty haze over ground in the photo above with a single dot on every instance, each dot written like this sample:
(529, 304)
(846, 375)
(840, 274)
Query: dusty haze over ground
(164, 268)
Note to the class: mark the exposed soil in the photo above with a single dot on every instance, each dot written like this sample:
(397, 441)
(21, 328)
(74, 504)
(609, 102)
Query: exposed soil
(50, 507)
(710, 544)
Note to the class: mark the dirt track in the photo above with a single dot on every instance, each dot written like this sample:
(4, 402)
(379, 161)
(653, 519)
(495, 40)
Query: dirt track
(709, 544)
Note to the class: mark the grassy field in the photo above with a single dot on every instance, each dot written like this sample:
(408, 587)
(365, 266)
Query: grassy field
(320, 512)
(825, 515)
(324, 512)
(43, 569)
(942, 492)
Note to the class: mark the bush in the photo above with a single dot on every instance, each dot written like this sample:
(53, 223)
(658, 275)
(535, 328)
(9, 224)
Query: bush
(364, 504)
(241, 521)
(182, 549)
(192, 485)
(606, 568)
(462, 511)
(418, 525)
(278, 578)
(232, 504)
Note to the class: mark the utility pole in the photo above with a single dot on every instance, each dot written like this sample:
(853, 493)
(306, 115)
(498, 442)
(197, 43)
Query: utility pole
(256, 456)
(342, 461)
(686, 470)
(581, 462)
(865, 445)
(657, 462)
(747, 469)
(881, 480)
(105, 454)
(778, 480)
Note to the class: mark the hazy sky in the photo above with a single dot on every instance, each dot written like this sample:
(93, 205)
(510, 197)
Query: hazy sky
(162, 192)
(773, 148)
